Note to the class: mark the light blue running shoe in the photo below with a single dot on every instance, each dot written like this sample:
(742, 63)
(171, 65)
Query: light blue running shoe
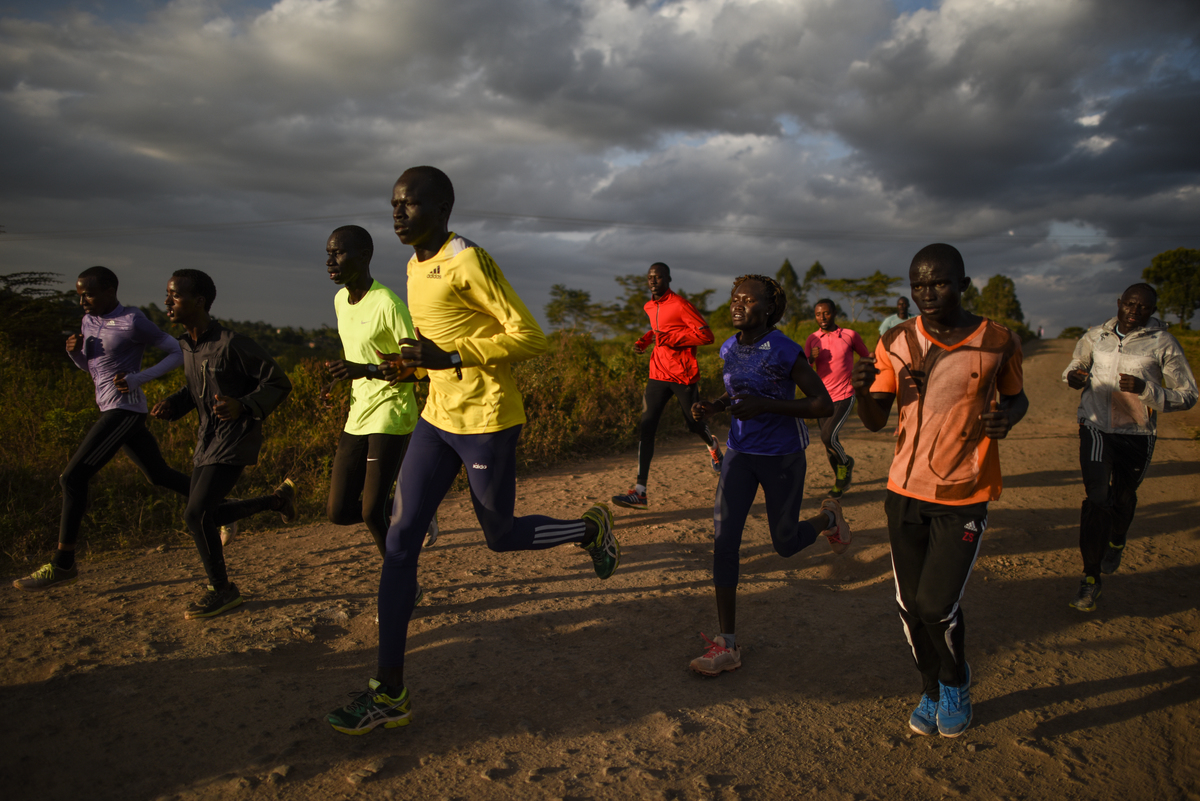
(954, 707)
(924, 717)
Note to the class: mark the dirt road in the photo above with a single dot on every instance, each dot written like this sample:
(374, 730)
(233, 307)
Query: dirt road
(532, 679)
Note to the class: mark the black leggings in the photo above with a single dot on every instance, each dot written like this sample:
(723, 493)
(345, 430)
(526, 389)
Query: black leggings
(117, 429)
(934, 548)
(207, 511)
(831, 427)
(365, 465)
(658, 394)
(1113, 468)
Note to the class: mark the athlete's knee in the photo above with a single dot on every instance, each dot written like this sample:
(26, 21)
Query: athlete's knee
(788, 546)
(341, 514)
(73, 480)
(193, 517)
(499, 536)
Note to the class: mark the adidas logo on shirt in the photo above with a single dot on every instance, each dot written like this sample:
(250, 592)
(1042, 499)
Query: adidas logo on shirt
(436, 272)
(765, 346)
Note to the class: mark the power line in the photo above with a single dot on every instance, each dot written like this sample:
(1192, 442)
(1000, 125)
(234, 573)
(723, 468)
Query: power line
(567, 222)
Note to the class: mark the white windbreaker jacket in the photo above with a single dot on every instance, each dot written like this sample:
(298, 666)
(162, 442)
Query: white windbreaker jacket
(1149, 353)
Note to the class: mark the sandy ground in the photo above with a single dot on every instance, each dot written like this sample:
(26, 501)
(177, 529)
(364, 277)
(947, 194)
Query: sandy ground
(532, 679)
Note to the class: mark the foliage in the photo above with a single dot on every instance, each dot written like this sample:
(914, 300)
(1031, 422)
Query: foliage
(790, 282)
(998, 300)
(289, 346)
(582, 397)
(627, 316)
(1175, 274)
(861, 293)
(569, 308)
(970, 298)
(698, 299)
(1073, 332)
(35, 315)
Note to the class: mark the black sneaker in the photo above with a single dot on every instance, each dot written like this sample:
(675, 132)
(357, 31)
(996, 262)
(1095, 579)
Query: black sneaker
(287, 493)
(214, 602)
(1112, 559)
(1089, 593)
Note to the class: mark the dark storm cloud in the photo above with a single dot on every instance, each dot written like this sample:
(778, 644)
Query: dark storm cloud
(862, 130)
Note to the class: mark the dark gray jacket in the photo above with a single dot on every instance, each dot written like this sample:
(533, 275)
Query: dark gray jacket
(224, 362)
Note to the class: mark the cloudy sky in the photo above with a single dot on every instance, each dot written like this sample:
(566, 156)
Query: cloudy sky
(1053, 141)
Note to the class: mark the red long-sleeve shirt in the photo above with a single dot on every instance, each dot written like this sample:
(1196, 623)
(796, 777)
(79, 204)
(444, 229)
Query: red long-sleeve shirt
(676, 329)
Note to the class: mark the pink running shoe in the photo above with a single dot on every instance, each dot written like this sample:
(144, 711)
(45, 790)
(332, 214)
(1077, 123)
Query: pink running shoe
(717, 658)
(838, 536)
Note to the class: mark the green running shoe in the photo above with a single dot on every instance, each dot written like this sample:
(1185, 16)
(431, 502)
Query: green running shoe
(604, 550)
(1089, 593)
(214, 602)
(371, 708)
(47, 576)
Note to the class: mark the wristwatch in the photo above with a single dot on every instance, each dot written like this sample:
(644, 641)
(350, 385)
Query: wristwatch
(455, 360)
(372, 369)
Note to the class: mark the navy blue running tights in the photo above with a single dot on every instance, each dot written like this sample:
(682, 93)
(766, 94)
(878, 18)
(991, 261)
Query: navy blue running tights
(426, 474)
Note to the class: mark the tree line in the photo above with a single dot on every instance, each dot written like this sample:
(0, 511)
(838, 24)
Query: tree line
(854, 297)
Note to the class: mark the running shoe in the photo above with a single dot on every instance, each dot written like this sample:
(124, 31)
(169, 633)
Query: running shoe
(287, 492)
(924, 717)
(717, 657)
(1112, 559)
(214, 602)
(228, 533)
(843, 475)
(47, 576)
(431, 535)
(371, 708)
(839, 536)
(954, 707)
(604, 550)
(1089, 593)
(631, 500)
(714, 454)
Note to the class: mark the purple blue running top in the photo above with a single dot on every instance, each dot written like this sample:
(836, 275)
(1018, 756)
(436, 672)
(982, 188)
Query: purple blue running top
(114, 344)
(764, 369)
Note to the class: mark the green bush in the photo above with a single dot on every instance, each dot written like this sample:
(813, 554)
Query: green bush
(582, 397)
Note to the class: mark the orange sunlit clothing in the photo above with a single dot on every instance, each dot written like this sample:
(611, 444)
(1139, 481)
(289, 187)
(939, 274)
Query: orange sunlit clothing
(942, 455)
(676, 328)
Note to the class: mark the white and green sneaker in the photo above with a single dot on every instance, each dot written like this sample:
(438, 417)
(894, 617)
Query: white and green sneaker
(371, 708)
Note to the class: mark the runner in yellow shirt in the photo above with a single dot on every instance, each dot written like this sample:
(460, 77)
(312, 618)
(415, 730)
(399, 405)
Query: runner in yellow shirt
(470, 327)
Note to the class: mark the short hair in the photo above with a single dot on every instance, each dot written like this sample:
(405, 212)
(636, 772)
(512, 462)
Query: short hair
(357, 235)
(664, 267)
(201, 284)
(778, 296)
(903, 300)
(436, 180)
(1144, 288)
(828, 302)
(105, 277)
(940, 254)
